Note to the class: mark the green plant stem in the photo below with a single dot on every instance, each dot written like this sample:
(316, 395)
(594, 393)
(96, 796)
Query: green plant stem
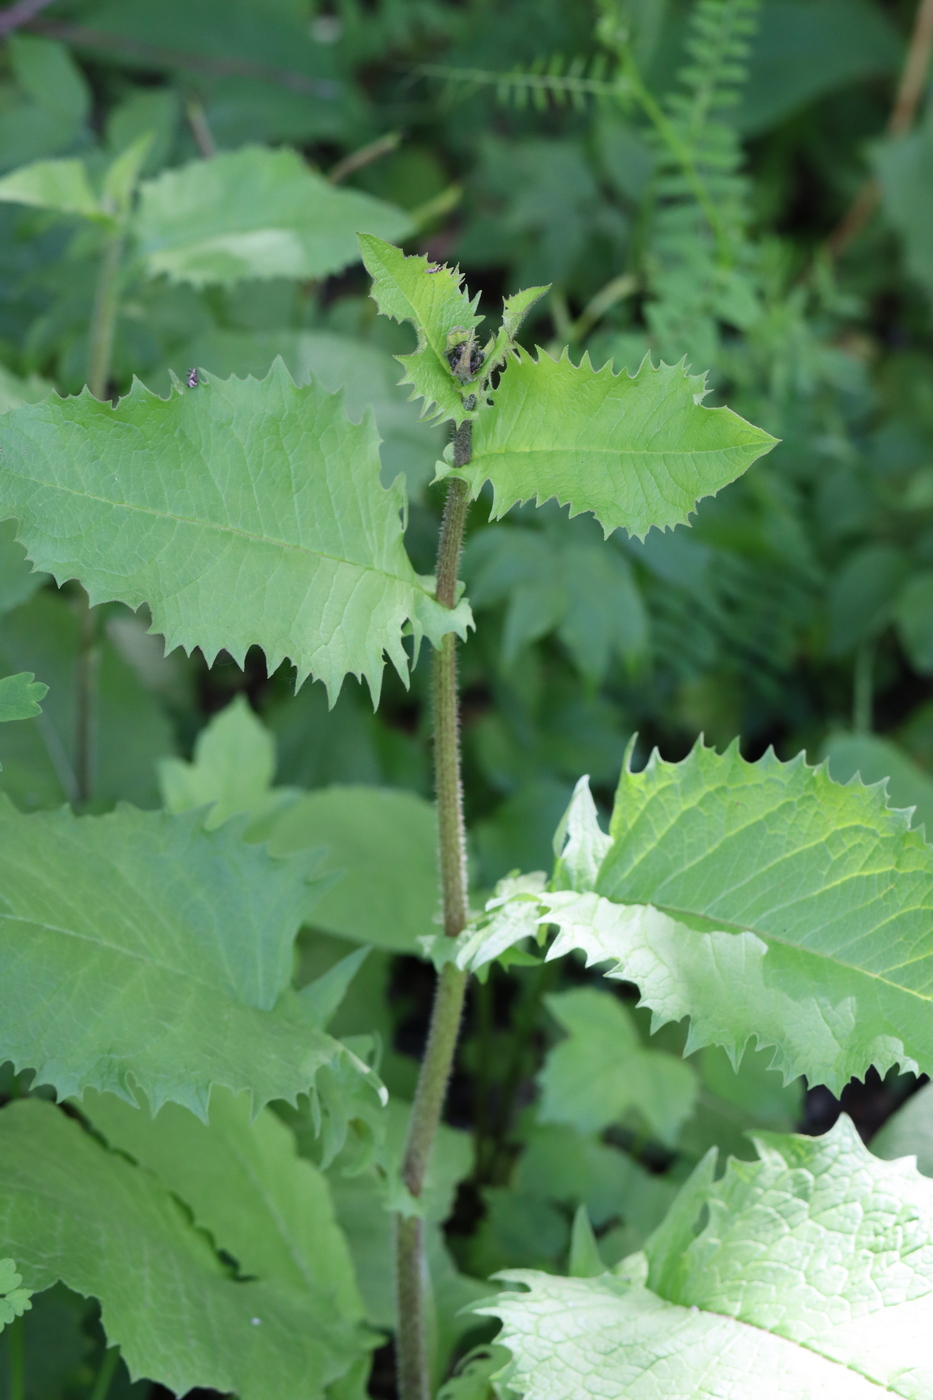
(16, 1347)
(411, 1344)
(108, 1369)
(863, 687)
(104, 317)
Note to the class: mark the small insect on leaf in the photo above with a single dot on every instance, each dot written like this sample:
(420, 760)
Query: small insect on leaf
(191, 379)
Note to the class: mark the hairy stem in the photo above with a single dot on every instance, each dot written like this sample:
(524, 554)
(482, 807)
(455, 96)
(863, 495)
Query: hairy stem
(411, 1345)
(104, 318)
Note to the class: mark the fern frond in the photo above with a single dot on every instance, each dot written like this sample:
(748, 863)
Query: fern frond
(549, 79)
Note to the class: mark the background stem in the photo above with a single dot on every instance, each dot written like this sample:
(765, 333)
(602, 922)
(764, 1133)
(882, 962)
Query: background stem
(16, 1350)
(414, 1382)
(104, 318)
(108, 1369)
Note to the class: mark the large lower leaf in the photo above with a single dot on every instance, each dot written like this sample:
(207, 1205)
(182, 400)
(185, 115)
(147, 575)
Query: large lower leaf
(255, 213)
(635, 451)
(241, 511)
(762, 900)
(137, 949)
(244, 1182)
(807, 1275)
(71, 1210)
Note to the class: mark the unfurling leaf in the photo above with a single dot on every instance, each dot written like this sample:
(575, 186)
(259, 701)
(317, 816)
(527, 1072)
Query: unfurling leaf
(20, 696)
(241, 512)
(255, 213)
(731, 1298)
(637, 452)
(139, 951)
(75, 1212)
(432, 298)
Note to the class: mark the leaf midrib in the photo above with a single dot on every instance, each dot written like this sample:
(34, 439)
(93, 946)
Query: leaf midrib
(221, 529)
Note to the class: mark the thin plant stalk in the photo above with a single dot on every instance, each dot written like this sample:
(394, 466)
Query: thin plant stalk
(104, 317)
(16, 1351)
(414, 1382)
(108, 1369)
(86, 664)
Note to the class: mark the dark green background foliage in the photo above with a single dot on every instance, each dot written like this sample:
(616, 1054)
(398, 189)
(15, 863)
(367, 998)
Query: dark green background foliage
(797, 612)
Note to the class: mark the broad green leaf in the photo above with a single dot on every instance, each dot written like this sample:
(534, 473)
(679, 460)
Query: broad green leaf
(72, 1210)
(580, 844)
(904, 166)
(232, 771)
(765, 902)
(366, 373)
(253, 213)
(20, 696)
(242, 512)
(382, 844)
(140, 951)
(602, 1074)
(14, 1300)
(59, 185)
(874, 760)
(245, 1183)
(432, 298)
(637, 452)
(806, 1274)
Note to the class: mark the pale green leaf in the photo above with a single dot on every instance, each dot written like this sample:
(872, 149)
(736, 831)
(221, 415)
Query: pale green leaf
(637, 452)
(72, 1210)
(382, 845)
(432, 298)
(20, 696)
(242, 512)
(602, 1074)
(580, 844)
(807, 1275)
(138, 950)
(59, 185)
(244, 1182)
(585, 1260)
(516, 307)
(232, 771)
(14, 1300)
(254, 213)
(767, 903)
(909, 1132)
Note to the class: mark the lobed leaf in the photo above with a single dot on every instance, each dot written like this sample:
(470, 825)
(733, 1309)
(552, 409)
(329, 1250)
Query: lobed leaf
(636, 451)
(255, 213)
(75, 1212)
(432, 299)
(240, 511)
(20, 696)
(138, 950)
(14, 1300)
(807, 1275)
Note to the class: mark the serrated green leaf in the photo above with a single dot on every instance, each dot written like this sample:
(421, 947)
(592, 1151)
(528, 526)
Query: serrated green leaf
(580, 844)
(139, 950)
(733, 1299)
(244, 1182)
(20, 696)
(516, 307)
(232, 771)
(432, 299)
(14, 1300)
(875, 759)
(242, 512)
(813, 902)
(254, 213)
(637, 452)
(76, 1212)
(382, 845)
(59, 185)
(602, 1074)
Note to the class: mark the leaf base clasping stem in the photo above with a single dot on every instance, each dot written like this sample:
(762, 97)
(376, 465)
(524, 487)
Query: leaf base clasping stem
(411, 1345)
